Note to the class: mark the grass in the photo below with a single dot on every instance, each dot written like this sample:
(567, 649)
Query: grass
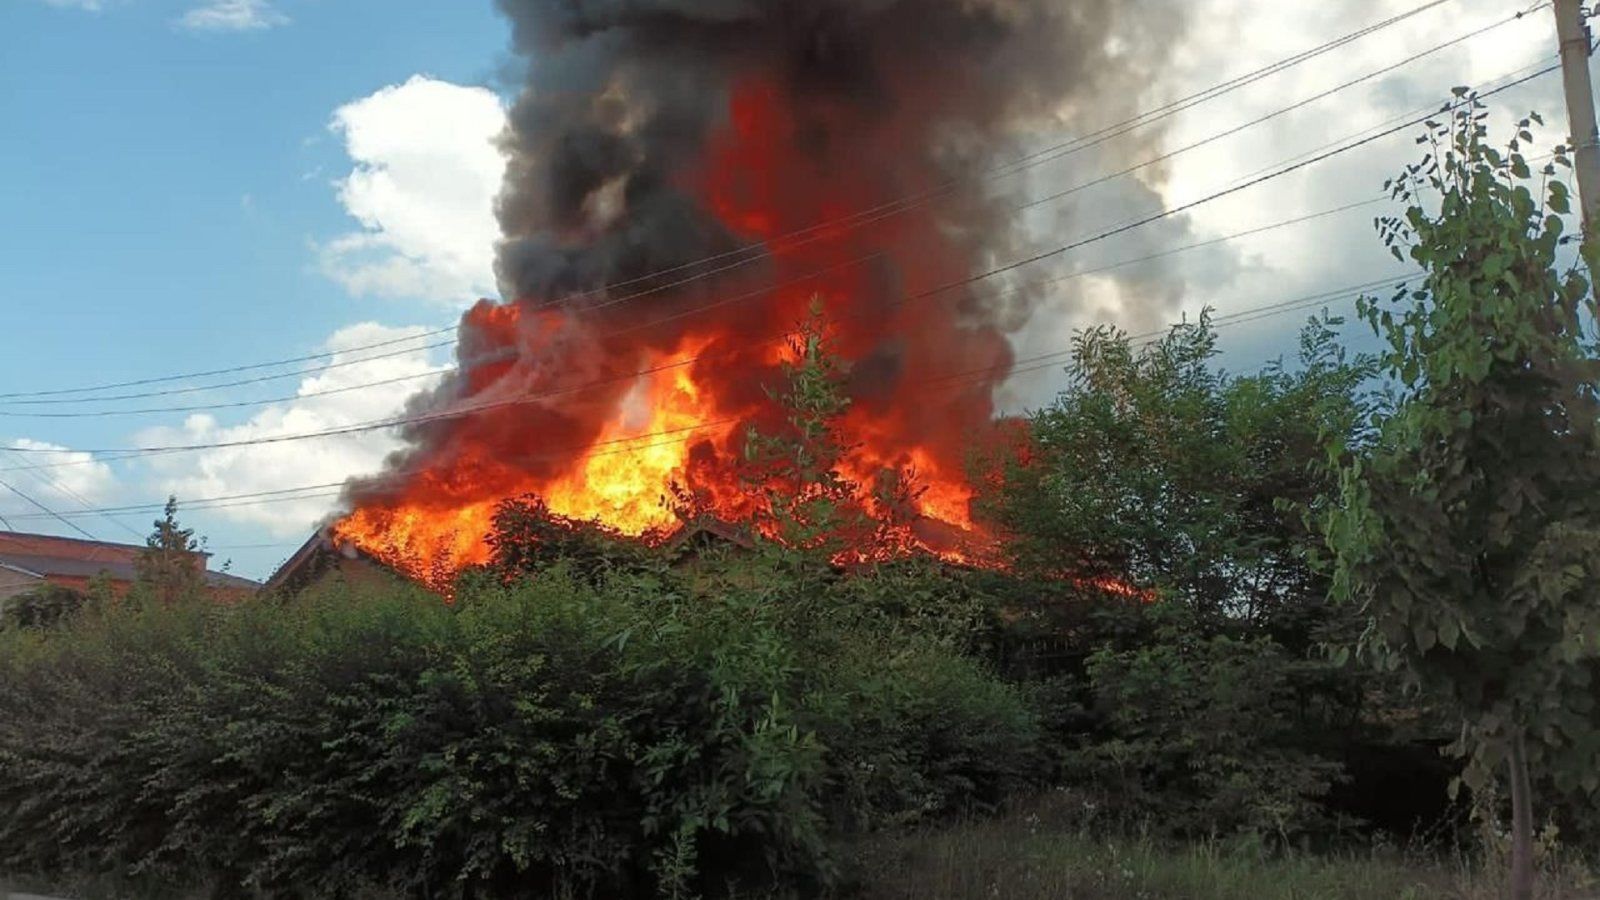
(1024, 856)
(1041, 853)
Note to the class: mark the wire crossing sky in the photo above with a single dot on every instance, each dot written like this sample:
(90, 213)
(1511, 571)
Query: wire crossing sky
(233, 276)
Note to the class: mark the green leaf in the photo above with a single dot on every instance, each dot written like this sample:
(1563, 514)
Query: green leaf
(1449, 632)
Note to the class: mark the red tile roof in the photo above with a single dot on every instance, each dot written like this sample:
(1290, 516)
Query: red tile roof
(50, 557)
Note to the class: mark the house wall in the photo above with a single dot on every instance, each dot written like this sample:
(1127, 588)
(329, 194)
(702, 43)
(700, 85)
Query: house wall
(14, 583)
(81, 584)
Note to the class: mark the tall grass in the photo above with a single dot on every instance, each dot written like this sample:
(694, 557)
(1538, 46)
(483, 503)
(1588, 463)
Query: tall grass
(1037, 854)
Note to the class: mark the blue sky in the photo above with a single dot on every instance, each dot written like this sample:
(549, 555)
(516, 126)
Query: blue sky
(162, 184)
(163, 187)
(197, 184)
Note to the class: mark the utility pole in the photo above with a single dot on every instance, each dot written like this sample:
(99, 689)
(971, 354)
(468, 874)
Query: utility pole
(1573, 31)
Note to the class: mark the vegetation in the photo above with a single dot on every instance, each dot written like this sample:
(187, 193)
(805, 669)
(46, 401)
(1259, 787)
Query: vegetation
(170, 568)
(45, 606)
(1470, 534)
(1141, 705)
(616, 739)
(1058, 848)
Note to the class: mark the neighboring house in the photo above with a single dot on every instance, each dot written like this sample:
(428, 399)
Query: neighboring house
(28, 561)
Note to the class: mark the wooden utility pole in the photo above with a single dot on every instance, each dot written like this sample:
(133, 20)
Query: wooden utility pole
(1573, 31)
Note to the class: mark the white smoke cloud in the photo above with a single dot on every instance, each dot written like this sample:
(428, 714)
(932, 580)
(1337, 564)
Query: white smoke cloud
(232, 15)
(230, 471)
(423, 188)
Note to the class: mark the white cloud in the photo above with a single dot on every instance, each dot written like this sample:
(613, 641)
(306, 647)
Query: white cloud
(230, 471)
(74, 481)
(1227, 38)
(90, 5)
(423, 187)
(232, 15)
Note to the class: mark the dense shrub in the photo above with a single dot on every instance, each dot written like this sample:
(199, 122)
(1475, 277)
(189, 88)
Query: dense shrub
(1202, 737)
(43, 607)
(916, 734)
(613, 738)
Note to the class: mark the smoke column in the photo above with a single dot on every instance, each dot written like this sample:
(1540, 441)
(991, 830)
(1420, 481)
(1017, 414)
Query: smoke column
(682, 177)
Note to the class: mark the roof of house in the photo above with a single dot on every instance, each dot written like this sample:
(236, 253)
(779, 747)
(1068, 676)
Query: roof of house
(45, 555)
(321, 549)
(312, 557)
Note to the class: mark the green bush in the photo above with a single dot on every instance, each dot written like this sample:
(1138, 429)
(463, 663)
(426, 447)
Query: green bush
(1195, 733)
(43, 607)
(556, 734)
(916, 734)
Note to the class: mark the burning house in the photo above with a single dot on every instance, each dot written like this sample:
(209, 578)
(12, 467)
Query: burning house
(685, 179)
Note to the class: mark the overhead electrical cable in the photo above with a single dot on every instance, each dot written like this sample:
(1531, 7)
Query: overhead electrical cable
(1024, 365)
(961, 282)
(309, 395)
(245, 368)
(1057, 151)
(66, 490)
(1093, 139)
(50, 512)
(497, 357)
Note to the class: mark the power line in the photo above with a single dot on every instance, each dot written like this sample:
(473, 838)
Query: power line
(246, 368)
(725, 301)
(52, 513)
(124, 453)
(1027, 364)
(1057, 151)
(736, 298)
(1298, 220)
(61, 488)
(1417, 111)
(962, 282)
(1047, 154)
(246, 381)
(1282, 111)
(613, 301)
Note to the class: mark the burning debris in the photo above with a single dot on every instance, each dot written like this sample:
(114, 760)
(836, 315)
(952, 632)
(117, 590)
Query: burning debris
(684, 177)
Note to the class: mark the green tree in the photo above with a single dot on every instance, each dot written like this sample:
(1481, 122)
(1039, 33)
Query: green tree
(807, 505)
(528, 538)
(43, 607)
(1156, 468)
(1470, 535)
(1206, 710)
(172, 566)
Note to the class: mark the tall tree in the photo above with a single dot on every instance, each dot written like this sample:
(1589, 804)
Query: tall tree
(171, 567)
(1156, 467)
(1470, 534)
(807, 504)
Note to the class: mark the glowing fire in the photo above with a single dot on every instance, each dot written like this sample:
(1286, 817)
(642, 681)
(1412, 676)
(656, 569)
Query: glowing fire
(615, 411)
(629, 475)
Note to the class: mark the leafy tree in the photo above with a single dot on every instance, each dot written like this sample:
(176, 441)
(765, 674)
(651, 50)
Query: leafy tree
(1206, 709)
(1154, 467)
(1202, 734)
(808, 505)
(527, 538)
(171, 568)
(1470, 536)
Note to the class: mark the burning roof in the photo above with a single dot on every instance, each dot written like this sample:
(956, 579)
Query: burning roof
(684, 179)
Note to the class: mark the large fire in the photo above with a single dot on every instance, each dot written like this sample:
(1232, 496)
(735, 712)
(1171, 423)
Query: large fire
(683, 185)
